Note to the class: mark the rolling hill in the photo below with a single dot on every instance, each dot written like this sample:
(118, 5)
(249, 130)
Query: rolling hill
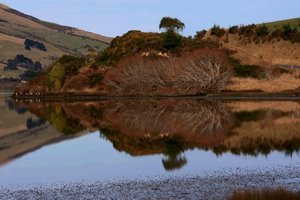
(295, 22)
(16, 27)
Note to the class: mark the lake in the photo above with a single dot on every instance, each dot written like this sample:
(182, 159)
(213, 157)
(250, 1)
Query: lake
(143, 139)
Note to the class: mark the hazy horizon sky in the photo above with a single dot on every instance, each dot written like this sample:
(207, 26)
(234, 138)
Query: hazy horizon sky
(115, 17)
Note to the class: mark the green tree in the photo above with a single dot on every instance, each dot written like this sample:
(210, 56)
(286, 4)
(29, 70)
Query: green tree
(174, 159)
(56, 76)
(171, 24)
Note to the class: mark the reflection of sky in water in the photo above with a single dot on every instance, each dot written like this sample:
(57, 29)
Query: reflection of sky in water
(93, 158)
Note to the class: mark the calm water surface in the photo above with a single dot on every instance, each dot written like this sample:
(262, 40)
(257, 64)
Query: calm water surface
(141, 139)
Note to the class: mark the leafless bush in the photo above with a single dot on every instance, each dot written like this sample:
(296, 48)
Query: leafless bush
(201, 75)
(194, 73)
(138, 77)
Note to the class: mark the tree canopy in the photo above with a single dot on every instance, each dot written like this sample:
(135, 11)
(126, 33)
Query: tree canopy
(171, 24)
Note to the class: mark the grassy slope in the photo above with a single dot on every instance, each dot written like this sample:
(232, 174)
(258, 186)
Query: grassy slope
(59, 40)
(266, 53)
(295, 22)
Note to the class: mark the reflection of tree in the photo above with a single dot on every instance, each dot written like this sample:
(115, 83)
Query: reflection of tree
(172, 163)
(55, 114)
(174, 159)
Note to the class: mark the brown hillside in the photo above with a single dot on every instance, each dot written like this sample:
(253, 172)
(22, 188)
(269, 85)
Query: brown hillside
(272, 53)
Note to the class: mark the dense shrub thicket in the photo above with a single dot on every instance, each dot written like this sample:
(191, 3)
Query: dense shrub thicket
(217, 31)
(72, 64)
(286, 32)
(65, 66)
(28, 43)
(137, 42)
(244, 71)
(28, 75)
(24, 62)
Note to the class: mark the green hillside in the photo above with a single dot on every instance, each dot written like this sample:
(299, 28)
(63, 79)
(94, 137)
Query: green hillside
(295, 22)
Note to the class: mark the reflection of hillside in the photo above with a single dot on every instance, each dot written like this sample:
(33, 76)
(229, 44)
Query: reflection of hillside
(150, 124)
(22, 132)
(274, 126)
(147, 127)
(19, 143)
(13, 118)
(170, 127)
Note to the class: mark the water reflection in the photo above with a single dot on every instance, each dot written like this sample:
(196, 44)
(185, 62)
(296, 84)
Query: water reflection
(171, 127)
(21, 132)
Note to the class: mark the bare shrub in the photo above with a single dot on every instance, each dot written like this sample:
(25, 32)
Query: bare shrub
(200, 75)
(199, 72)
(138, 76)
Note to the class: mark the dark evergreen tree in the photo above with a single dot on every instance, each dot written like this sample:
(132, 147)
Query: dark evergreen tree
(171, 24)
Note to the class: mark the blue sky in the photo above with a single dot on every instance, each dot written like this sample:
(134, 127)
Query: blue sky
(115, 17)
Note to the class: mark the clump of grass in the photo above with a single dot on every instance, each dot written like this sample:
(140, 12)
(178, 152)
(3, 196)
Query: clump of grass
(265, 194)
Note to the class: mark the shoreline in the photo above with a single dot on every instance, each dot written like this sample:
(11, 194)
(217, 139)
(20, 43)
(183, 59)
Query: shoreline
(260, 96)
(217, 185)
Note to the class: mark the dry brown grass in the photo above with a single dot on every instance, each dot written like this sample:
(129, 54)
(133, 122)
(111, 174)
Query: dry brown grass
(274, 52)
(265, 194)
(277, 84)
(4, 6)
(15, 19)
(12, 39)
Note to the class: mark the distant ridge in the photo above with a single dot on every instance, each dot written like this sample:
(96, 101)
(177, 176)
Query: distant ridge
(4, 6)
(16, 27)
(57, 26)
